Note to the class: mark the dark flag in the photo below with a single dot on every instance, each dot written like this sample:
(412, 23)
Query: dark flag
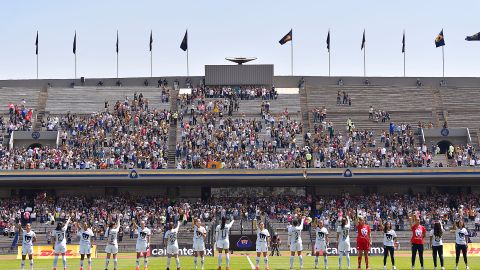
(288, 37)
(117, 43)
(328, 41)
(151, 40)
(184, 44)
(36, 44)
(475, 37)
(363, 40)
(440, 40)
(403, 43)
(75, 43)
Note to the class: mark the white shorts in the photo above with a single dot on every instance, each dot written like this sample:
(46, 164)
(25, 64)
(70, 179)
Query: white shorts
(223, 244)
(344, 246)
(198, 246)
(320, 246)
(141, 247)
(60, 249)
(85, 249)
(172, 249)
(296, 247)
(261, 247)
(112, 249)
(26, 250)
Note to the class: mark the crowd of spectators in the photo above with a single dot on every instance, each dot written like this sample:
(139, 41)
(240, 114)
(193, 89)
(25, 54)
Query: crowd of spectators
(19, 117)
(158, 211)
(132, 135)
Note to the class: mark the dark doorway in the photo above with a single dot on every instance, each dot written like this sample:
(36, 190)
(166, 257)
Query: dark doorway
(444, 145)
(35, 145)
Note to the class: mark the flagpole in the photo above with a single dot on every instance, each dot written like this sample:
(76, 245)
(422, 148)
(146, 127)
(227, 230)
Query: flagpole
(151, 63)
(404, 64)
(75, 65)
(443, 62)
(37, 66)
(329, 52)
(364, 53)
(188, 70)
(291, 47)
(328, 63)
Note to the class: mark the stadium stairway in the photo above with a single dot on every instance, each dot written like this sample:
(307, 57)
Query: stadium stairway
(172, 136)
(41, 107)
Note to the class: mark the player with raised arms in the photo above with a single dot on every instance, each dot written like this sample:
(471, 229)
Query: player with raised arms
(418, 237)
(170, 240)
(263, 240)
(343, 240)
(436, 242)
(364, 241)
(295, 241)
(143, 243)
(86, 242)
(28, 238)
(111, 234)
(461, 240)
(60, 243)
(222, 241)
(389, 243)
(199, 235)
(321, 242)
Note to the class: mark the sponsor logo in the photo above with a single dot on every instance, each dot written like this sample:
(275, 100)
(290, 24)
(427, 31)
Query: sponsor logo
(347, 173)
(158, 252)
(46, 252)
(445, 132)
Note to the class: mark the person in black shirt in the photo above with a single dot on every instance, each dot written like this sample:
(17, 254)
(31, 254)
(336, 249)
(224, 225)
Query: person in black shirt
(275, 244)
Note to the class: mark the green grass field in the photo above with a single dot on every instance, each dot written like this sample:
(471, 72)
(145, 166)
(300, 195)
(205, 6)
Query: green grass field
(237, 263)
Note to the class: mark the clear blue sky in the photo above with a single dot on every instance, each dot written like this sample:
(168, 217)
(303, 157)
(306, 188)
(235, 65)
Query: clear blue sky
(218, 29)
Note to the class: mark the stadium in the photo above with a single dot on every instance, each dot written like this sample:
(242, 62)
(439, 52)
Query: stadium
(240, 168)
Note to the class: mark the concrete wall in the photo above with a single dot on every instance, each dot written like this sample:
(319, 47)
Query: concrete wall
(279, 81)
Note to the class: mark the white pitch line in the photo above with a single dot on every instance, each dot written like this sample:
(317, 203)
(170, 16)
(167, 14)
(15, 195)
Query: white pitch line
(250, 262)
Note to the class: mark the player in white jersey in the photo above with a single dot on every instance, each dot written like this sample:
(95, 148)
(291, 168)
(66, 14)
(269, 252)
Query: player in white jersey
(111, 234)
(263, 241)
(143, 243)
(222, 241)
(461, 241)
(60, 243)
(28, 238)
(321, 242)
(343, 240)
(436, 242)
(199, 235)
(170, 240)
(389, 243)
(295, 241)
(86, 243)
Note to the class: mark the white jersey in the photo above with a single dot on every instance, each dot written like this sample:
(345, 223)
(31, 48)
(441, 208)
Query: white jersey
(27, 238)
(59, 236)
(171, 236)
(295, 234)
(388, 238)
(460, 236)
(436, 240)
(262, 236)
(142, 235)
(198, 233)
(85, 237)
(222, 234)
(321, 235)
(112, 236)
(344, 232)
